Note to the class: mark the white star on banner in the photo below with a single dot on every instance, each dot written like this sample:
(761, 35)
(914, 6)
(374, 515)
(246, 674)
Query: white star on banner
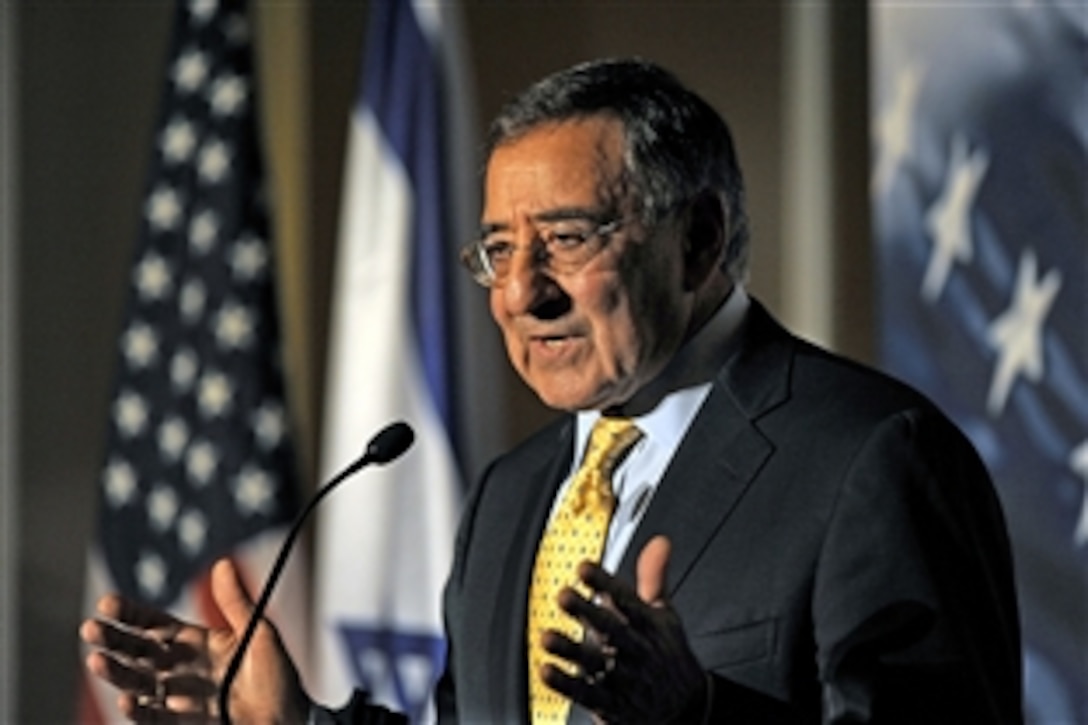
(178, 141)
(213, 162)
(190, 71)
(201, 460)
(130, 413)
(228, 95)
(233, 326)
(183, 370)
(163, 208)
(948, 220)
(119, 479)
(253, 491)
(895, 127)
(173, 437)
(214, 394)
(162, 507)
(192, 531)
(1017, 334)
(151, 573)
(140, 345)
(1078, 461)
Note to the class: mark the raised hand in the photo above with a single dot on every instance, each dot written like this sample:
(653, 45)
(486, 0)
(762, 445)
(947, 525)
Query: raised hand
(633, 664)
(168, 670)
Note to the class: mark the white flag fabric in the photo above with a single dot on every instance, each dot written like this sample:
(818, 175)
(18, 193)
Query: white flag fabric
(385, 541)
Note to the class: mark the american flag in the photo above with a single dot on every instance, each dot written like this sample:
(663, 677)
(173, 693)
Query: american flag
(198, 462)
(980, 188)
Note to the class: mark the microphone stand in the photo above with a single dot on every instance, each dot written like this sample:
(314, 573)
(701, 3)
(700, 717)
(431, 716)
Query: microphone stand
(387, 445)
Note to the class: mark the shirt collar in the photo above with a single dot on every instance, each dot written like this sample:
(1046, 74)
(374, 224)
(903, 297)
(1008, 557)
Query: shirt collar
(684, 382)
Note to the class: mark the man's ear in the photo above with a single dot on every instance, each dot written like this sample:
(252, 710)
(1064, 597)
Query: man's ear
(704, 239)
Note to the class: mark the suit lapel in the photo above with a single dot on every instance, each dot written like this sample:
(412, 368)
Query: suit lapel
(722, 451)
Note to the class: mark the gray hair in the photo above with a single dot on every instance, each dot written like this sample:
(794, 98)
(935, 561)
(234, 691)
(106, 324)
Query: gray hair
(678, 148)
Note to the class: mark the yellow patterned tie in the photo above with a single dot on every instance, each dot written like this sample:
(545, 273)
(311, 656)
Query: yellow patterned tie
(576, 533)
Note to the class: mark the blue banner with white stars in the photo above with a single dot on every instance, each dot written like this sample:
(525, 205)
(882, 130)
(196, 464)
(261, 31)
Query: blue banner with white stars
(980, 192)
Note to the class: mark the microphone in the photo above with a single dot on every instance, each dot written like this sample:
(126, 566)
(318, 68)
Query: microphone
(386, 446)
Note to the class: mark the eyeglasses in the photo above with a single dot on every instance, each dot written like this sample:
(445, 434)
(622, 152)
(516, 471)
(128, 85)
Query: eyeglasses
(561, 247)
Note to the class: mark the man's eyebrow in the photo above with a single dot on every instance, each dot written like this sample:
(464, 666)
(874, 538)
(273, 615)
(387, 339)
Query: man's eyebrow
(593, 214)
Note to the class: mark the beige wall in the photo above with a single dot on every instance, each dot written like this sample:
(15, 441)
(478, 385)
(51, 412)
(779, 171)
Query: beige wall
(88, 86)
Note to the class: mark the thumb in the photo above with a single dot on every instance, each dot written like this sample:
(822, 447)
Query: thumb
(650, 571)
(231, 596)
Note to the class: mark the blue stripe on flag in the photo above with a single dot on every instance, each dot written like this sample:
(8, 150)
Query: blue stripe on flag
(402, 89)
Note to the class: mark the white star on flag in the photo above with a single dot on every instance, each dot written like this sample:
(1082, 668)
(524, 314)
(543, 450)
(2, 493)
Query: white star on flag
(119, 480)
(213, 162)
(173, 437)
(183, 370)
(151, 573)
(192, 531)
(253, 491)
(203, 10)
(948, 220)
(203, 230)
(130, 413)
(895, 127)
(192, 299)
(1078, 461)
(248, 259)
(191, 71)
(269, 425)
(1017, 334)
(163, 209)
(178, 141)
(152, 277)
(140, 345)
(214, 394)
(162, 507)
(201, 462)
(228, 95)
(234, 326)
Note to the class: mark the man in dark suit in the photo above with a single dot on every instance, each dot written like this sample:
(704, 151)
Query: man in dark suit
(789, 536)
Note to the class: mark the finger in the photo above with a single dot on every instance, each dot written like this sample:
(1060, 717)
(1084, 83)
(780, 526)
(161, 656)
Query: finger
(622, 599)
(231, 596)
(154, 648)
(577, 689)
(586, 658)
(653, 560)
(135, 615)
(124, 675)
(603, 623)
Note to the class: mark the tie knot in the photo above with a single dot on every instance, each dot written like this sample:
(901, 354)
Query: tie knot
(610, 439)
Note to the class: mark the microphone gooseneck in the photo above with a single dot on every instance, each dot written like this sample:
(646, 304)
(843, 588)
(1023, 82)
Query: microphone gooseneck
(388, 445)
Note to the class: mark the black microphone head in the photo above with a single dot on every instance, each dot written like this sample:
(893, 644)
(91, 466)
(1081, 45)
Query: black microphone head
(390, 443)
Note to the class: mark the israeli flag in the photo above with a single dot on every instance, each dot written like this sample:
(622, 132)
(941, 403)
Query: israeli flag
(384, 542)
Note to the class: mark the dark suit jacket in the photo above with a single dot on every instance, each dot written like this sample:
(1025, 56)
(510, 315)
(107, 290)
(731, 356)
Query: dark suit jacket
(838, 552)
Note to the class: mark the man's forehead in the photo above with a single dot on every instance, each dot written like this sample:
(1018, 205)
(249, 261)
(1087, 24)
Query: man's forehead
(577, 163)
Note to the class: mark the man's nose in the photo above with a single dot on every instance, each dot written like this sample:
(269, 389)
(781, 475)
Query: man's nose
(528, 282)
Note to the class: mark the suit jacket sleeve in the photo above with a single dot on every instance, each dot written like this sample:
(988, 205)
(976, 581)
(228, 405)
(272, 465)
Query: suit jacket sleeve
(913, 605)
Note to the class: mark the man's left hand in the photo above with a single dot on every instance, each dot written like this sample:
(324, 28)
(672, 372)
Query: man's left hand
(633, 663)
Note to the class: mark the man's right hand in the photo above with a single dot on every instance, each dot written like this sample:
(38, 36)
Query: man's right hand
(168, 670)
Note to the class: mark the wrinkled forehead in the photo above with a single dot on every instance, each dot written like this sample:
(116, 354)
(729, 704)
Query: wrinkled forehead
(570, 163)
